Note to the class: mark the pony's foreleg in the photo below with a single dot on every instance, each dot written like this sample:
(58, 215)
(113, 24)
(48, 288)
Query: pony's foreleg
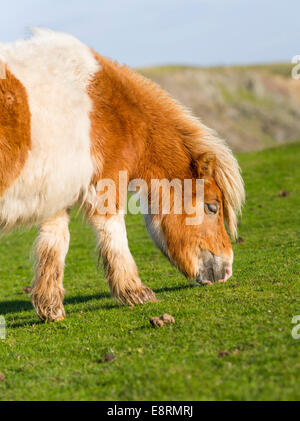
(122, 275)
(51, 249)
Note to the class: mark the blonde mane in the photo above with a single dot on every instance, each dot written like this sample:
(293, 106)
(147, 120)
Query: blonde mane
(184, 128)
(198, 139)
(227, 174)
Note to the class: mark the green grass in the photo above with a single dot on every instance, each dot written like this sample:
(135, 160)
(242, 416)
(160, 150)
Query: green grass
(251, 313)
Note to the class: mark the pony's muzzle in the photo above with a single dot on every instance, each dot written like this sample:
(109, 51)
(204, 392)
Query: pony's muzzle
(213, 269)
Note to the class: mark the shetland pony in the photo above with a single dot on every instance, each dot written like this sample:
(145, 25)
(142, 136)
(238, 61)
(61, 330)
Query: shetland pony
(70, 118)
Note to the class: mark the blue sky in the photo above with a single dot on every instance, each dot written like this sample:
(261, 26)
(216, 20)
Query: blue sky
(150, 32)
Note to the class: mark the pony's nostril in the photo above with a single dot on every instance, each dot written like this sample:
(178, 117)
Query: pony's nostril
(214, 269)
(228, 273)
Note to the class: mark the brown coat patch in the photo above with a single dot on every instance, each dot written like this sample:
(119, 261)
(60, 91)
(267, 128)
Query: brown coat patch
(138, 128)
(15, 135)
(135, 124)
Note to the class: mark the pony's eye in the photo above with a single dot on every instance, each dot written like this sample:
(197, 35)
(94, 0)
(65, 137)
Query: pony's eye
(211, 207)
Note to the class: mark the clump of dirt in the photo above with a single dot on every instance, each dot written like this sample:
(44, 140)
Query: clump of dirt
(223, 353)
(156, 322)
(164, 319)
(240, 240)
(26, 290)
(109, 357)
(283, 193)
(2, 377)
(226, 353)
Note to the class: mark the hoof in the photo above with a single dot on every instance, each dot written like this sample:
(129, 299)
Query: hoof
(59, 318)
(49, 315)
(137, 296)
(48, 310)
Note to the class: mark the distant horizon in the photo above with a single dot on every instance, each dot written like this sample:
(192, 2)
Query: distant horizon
(270, 63)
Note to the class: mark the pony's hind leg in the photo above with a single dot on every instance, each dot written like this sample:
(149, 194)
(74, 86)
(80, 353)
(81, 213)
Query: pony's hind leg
(51, 249)
(122, 275)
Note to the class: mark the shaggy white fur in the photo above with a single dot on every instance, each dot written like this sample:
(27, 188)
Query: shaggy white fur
(55, 69)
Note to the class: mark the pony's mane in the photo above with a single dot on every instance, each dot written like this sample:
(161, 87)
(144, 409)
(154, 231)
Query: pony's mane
(194, 136)
(198, 139)
(227, 174)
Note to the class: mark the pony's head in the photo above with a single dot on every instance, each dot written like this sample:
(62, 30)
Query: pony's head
(203, 251)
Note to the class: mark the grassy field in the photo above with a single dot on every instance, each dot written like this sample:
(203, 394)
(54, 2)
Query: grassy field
(230, 341)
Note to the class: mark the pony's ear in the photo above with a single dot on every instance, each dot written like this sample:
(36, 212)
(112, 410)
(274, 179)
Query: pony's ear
(206, 165)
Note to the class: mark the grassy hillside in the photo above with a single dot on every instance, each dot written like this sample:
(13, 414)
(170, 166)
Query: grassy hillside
(230, 341)
(252, 107)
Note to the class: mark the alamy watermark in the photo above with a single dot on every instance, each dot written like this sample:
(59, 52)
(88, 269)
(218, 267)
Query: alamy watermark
(158, 196)
(2, 328)
(296, 69)
(296, 329)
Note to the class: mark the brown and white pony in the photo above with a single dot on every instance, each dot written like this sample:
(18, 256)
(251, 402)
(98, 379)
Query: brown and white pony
(69, 118)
